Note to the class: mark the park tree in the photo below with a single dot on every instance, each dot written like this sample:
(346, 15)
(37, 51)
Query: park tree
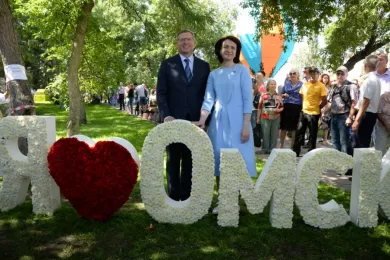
(352, 29)
(20, 94)
(80, 48)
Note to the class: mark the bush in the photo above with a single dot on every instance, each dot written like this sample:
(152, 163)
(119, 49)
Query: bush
(41, 95)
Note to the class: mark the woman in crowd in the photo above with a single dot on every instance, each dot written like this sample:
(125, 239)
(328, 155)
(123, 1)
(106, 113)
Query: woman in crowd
(292, 102)
(325, 113)
(130, 96)
(261, 88)
(229, 89)
(256, 99)
(270, 106)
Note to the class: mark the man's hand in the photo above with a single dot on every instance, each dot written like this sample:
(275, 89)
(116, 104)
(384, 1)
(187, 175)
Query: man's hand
(245, 133)
(348, 122)
(355, 126)
(168, 119)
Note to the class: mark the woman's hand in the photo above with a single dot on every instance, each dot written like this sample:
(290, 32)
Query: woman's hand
(200, 123)
(245, 133)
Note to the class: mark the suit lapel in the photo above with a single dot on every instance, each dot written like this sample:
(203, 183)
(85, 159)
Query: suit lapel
(195, 69)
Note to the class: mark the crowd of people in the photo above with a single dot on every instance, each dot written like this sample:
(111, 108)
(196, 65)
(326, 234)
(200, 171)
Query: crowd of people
(230, 105)
(135, 99)
(353, 113)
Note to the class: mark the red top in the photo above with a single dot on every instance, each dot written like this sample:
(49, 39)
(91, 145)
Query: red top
(270, 106)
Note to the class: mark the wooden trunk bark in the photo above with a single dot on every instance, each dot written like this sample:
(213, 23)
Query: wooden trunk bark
(73, 126)
(20, 93)
(83, 114)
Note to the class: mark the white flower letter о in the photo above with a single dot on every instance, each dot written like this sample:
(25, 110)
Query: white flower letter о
(18, 170)
(276, 183)
(309, 171)
(157, 203)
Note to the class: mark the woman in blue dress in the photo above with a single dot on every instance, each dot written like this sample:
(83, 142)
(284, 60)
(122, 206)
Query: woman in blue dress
(229, 90)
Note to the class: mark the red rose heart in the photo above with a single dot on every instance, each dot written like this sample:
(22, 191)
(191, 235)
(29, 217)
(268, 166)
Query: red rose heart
(97, 180)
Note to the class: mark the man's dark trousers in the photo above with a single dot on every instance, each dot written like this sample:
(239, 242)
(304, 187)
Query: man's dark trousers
(365, 129)
(306, 120)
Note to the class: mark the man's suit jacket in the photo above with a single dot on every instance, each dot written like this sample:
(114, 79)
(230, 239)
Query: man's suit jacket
(176, 96)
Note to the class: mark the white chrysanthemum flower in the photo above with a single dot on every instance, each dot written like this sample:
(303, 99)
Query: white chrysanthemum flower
(276, 183)
(309, 171)
(157, 203)
(18, 170)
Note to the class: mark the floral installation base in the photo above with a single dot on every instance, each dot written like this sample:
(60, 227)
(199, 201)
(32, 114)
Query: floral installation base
(282, 181)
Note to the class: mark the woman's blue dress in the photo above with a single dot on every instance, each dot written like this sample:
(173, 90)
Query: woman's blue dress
(230, 91)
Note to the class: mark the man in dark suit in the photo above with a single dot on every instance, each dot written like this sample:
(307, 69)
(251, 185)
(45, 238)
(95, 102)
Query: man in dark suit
(181, 85)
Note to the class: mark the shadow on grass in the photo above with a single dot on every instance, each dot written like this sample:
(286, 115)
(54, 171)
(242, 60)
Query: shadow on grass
(125, 236)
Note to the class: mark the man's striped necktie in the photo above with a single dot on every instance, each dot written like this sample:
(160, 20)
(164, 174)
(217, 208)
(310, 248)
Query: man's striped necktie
(187, 70)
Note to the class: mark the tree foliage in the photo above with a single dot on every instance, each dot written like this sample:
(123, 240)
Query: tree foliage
(353, 28)
(126, 40)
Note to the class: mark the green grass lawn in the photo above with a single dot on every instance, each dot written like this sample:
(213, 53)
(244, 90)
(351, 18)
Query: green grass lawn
(65, 235)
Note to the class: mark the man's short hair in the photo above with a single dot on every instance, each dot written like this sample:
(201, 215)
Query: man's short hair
(314, 69)
(384, 55)
(185, 31)
(371, 61)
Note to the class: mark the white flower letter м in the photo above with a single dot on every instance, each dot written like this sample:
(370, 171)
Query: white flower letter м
(276, 183)
(157, 203)
(18, 170)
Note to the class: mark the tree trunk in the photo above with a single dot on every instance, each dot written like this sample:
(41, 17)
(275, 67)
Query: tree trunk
(75, 100)
(83, 114)
(362, 54)
(20, 93)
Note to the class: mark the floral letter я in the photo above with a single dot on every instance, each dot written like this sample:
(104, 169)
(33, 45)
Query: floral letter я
(18, 170)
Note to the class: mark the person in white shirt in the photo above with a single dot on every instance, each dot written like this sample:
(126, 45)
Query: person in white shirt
(383, 73)
(153, 98)
(4, 97)
(140, 92)
(368, 103)
(121, 92)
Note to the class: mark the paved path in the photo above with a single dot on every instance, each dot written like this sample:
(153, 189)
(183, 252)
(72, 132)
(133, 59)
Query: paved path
(329, 177)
